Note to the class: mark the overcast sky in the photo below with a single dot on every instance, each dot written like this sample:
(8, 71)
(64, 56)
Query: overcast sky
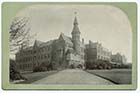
(106, 24)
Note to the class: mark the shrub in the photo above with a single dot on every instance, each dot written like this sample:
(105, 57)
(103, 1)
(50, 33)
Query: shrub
(14, 73)
(39, 69)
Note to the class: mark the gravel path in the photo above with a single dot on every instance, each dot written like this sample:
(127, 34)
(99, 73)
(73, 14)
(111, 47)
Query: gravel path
(73, 76)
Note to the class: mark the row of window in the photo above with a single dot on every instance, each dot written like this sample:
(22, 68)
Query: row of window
(29, 66)
(25, 66)
(39, 57)
(103, 57)
(29, 52)
(104, 52)
(119, 59)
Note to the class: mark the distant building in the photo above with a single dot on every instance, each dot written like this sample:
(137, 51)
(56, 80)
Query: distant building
(95, 52)
(118, 58)
(124, 59)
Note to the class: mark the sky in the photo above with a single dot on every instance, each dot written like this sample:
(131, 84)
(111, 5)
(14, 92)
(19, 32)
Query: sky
(99, 23)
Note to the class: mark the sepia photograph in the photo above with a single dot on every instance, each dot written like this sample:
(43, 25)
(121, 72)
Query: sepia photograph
(72, 44)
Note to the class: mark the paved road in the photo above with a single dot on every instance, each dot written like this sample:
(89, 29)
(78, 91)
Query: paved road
(73, 76)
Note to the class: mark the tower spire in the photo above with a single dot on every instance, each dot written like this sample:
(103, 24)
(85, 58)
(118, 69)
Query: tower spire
(76, 35)
(75, 20)
(75, 28)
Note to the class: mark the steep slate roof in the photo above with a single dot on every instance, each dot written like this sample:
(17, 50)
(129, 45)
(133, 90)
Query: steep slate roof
(38, 43)
(66, 38)
(47, 43)
(29, 48)
(93, 45)
(96, 44)
(42, 44)
(69, 40)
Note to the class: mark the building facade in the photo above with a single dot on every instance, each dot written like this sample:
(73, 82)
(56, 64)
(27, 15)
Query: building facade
(34, 56)
(63, 52)
(59, 53)
(96, 52)
(118, 58)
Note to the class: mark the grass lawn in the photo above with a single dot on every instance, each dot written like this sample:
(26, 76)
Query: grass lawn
(118, 76)
(34, 76)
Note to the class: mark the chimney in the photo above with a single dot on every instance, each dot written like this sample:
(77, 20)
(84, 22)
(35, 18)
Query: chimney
(83, 40)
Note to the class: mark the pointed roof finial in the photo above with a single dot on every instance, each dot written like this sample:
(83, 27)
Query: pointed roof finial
(75, 20)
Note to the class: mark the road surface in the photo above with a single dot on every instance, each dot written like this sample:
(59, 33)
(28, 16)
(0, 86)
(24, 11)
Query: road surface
(73, 76)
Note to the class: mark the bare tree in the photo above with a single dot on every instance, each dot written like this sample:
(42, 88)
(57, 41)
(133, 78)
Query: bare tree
(19, 34)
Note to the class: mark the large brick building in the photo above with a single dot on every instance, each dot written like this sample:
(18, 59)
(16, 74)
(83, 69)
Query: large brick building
(61, 53)
(96, 52)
